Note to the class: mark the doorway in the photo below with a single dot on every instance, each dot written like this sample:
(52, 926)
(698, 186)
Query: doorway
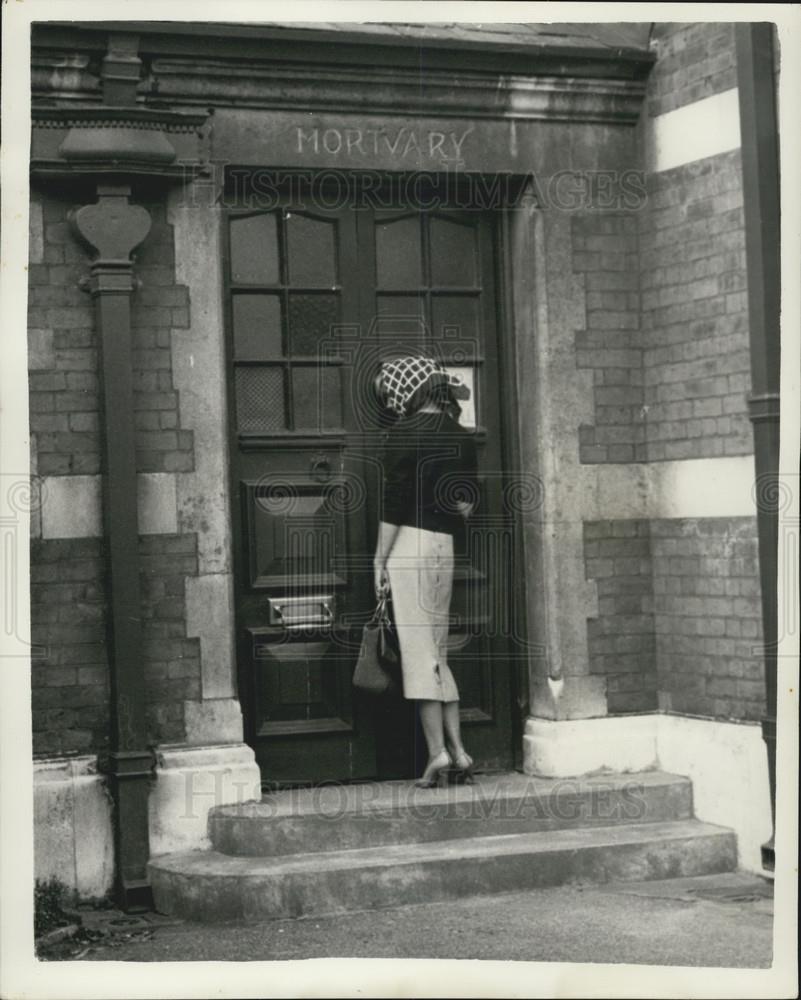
(320, 287)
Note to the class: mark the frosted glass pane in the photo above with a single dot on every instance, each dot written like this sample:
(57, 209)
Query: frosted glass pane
(311, 251)
(311, 318)
(257, 327)
(455, 317)
(254, 250)
(260, 399)
(453, 253)
(397, 250)
(316, 398)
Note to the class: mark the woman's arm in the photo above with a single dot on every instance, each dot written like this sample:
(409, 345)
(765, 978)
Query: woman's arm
(469, 469)
(386, 539)
(397, 465)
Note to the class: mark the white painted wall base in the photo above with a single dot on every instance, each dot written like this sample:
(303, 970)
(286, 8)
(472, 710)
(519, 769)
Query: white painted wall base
(73, 830)
(726, 761)
(189, 782)
(728, 765)
(73, 835)
(572, 747)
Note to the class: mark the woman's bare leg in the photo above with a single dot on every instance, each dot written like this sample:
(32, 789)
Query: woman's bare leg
(438, 757)
(431, 719)
(450, 715)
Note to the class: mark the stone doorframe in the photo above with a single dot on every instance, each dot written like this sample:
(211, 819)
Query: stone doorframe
(548, 310)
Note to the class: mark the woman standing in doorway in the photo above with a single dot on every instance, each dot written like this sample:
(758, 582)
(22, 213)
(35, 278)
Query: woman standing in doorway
(429, 467)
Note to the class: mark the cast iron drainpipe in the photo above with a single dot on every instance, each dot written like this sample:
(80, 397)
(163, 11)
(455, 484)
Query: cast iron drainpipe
(760, 164)
(114, 228)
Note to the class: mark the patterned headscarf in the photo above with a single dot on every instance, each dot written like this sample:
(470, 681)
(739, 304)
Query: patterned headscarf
(402, 377)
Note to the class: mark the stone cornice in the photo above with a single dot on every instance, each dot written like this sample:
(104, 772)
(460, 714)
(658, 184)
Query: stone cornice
(310, 69)
(394, 91)
(551, 50)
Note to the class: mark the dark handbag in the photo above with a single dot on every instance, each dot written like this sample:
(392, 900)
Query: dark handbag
(378, 667)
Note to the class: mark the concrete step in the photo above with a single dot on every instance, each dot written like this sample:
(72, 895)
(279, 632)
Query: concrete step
(212, 887)
(346, 817)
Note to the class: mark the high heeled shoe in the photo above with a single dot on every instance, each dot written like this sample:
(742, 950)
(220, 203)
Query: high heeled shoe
(463, 768)
(435, 770)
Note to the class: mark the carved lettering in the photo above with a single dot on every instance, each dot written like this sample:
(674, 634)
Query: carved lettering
(411, 143)
(435, 142)
(357, 143)
(332, 140)
(393, 146)
(310, 136)
(457, 144)
(353, 138)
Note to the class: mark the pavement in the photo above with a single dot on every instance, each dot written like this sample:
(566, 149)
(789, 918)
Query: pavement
(705, 921)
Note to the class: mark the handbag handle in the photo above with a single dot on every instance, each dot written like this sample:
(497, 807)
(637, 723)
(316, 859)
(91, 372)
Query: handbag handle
(380, 615)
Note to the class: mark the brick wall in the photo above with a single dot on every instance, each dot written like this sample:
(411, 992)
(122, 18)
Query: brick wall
(64, 401)
(679, 615)
(158, 305)
(621, 639)
(708, 617)
(696, 364)
(171, 661)
(605, 255)
(694, 61)
(64, 387)
(68, 595)
(70, 678)
(696, 376)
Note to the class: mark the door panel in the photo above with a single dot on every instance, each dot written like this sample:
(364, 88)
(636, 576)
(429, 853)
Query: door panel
(316, 297)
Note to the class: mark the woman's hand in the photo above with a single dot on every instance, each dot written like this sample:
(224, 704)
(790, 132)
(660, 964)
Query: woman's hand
(386, 539)
(380, 578)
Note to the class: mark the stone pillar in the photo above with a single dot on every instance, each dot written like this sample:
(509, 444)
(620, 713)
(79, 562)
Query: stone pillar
(549, 310)
(213, 766)
(199, 374)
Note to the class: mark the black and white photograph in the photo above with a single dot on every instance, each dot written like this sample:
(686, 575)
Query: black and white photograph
(400, 500)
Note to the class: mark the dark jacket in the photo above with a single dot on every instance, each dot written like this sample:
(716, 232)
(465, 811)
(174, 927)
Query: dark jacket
(429, 464)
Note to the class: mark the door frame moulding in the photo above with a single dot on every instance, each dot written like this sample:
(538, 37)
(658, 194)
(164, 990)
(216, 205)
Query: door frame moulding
(515, 480)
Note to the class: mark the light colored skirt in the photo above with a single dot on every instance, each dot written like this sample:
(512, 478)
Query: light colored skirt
(420, 570)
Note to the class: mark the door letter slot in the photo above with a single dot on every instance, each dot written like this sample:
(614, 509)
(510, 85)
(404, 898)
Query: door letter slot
(301, 612)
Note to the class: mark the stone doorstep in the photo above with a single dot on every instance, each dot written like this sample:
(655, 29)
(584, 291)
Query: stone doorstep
(378, 795)
(212, 887)
(349, 817)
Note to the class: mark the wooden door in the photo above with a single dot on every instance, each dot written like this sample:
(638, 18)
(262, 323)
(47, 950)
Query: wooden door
(318, 291)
